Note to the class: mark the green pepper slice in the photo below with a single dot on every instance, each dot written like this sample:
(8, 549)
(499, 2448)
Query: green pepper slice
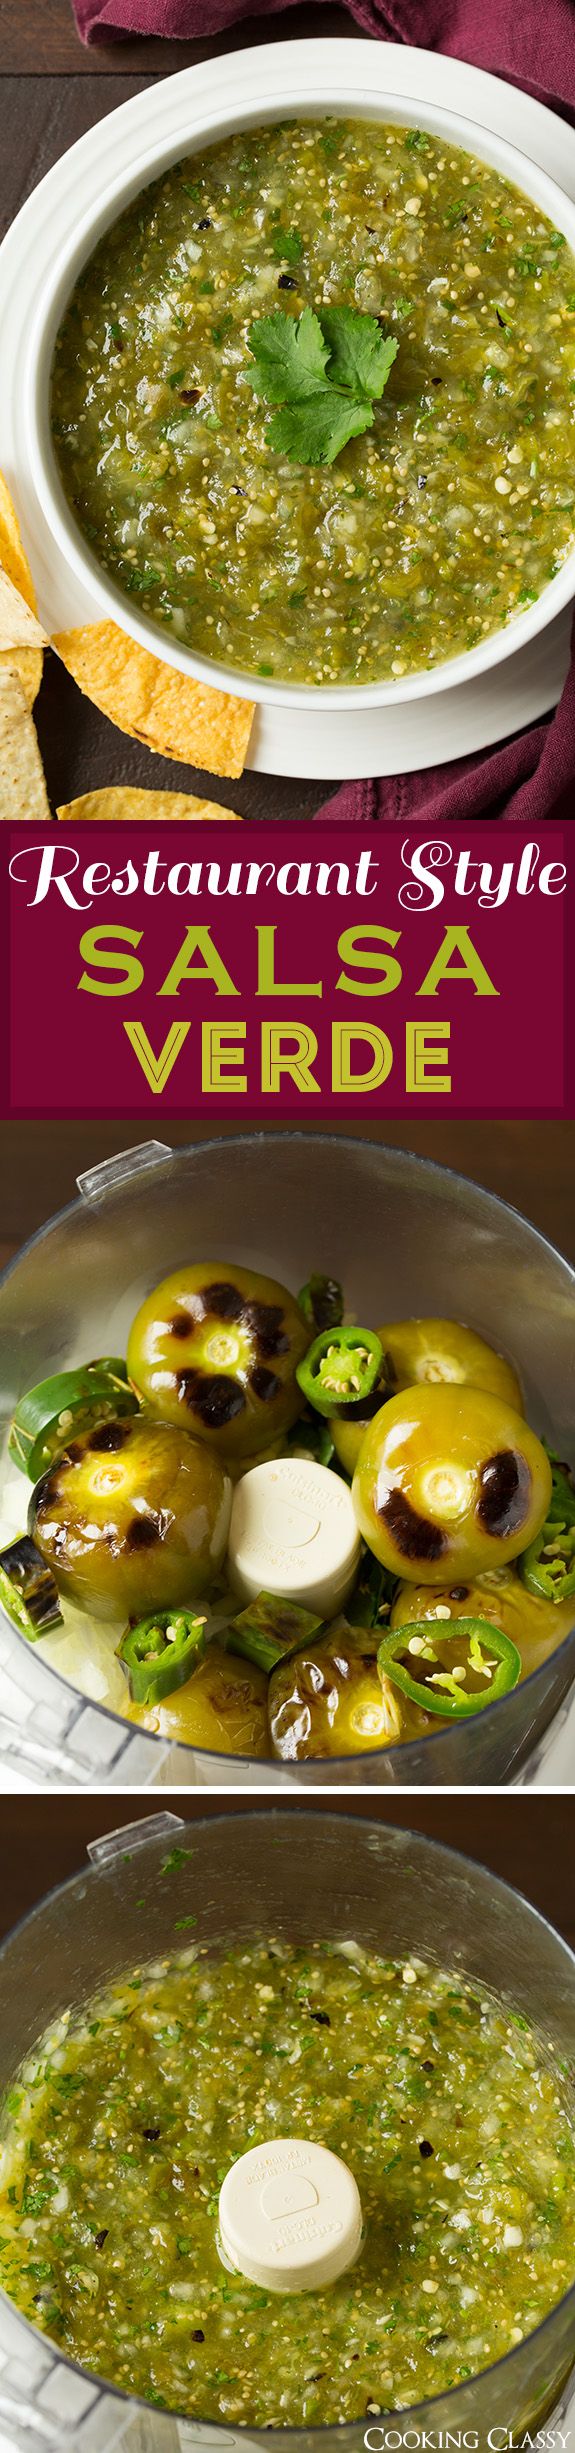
(547, 1568)
(160, 1653)
(562, 1502)
(62, 1408)
(28, 1590)
(321, 1301)
(268, 1629)
(341, 1370)
(490, 1668)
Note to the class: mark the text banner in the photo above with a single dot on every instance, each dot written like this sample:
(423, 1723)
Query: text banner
(276, 971)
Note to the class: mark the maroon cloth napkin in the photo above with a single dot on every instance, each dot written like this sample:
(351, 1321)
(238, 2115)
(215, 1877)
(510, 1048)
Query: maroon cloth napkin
(531, 777)
(532, 43)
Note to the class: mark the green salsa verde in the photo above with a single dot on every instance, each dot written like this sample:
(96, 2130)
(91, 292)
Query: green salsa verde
(430, 530)
(124, 2123)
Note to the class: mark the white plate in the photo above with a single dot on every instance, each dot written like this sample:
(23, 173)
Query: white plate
(369, 741)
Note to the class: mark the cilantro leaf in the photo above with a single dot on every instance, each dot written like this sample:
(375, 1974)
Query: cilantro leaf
(322, 373)
(287, 245)
(315, 430)
(290, 357)
(360, 359)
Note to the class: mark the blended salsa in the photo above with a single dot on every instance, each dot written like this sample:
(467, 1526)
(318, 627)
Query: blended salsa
(430, 530)
(124, 2123)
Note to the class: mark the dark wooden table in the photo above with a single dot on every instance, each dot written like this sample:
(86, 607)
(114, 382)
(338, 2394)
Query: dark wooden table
(527, 1840)
(53, 89)
(531, 1165)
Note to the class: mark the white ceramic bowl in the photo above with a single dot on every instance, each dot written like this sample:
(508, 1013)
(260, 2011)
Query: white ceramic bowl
(327, 91)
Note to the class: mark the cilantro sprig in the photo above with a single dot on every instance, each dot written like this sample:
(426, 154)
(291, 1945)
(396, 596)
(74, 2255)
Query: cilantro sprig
(322, 373)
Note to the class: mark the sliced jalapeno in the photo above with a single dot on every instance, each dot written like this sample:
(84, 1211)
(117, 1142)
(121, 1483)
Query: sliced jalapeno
(59, 1409)
(562, 1501)
(340, 1370)
(321, 1301)
(268, 1629)
(547, 1567)
(161, 1652)
(487, 1664)
(28, 1591)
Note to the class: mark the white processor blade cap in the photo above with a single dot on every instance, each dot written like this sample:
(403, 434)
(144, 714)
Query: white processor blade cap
(293, 1532)
(290, 2215)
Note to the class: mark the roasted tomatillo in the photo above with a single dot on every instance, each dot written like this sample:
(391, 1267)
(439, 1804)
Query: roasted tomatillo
(131, 1518)
(348, 1437)
(437, 1350)
(534, 1625)
(328, 1699)
(216, 1347)
(222, 1708)
(449, 1481)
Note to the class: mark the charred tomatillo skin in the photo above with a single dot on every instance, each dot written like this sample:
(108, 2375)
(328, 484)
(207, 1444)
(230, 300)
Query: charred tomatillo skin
(223, 1708)
(535, 1626)
(216, 1347)
(328, 1699)
(436, 1350)
(133, 1517)
(450, 1481)
(28, 1590)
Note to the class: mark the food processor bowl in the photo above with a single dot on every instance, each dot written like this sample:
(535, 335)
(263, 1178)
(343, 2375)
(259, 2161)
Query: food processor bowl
(405, 1236)
(301, 1877)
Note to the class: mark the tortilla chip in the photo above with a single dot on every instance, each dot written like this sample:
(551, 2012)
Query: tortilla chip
(18, 626)
(27, 660)
(181, 718)
(22, 786)
(127, 801)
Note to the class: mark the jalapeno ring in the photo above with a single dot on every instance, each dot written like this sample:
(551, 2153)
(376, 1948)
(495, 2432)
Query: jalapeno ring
(547, 1567)
(58, 1409)
(160, 1653)
(340, 1370)
(491, 1657)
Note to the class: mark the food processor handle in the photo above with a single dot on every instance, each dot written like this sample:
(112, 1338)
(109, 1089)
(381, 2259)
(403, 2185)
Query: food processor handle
(113, 1172)
(144, 1834)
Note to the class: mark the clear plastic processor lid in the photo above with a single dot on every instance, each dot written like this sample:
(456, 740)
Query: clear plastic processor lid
(405, 1236)
(302, 1877)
